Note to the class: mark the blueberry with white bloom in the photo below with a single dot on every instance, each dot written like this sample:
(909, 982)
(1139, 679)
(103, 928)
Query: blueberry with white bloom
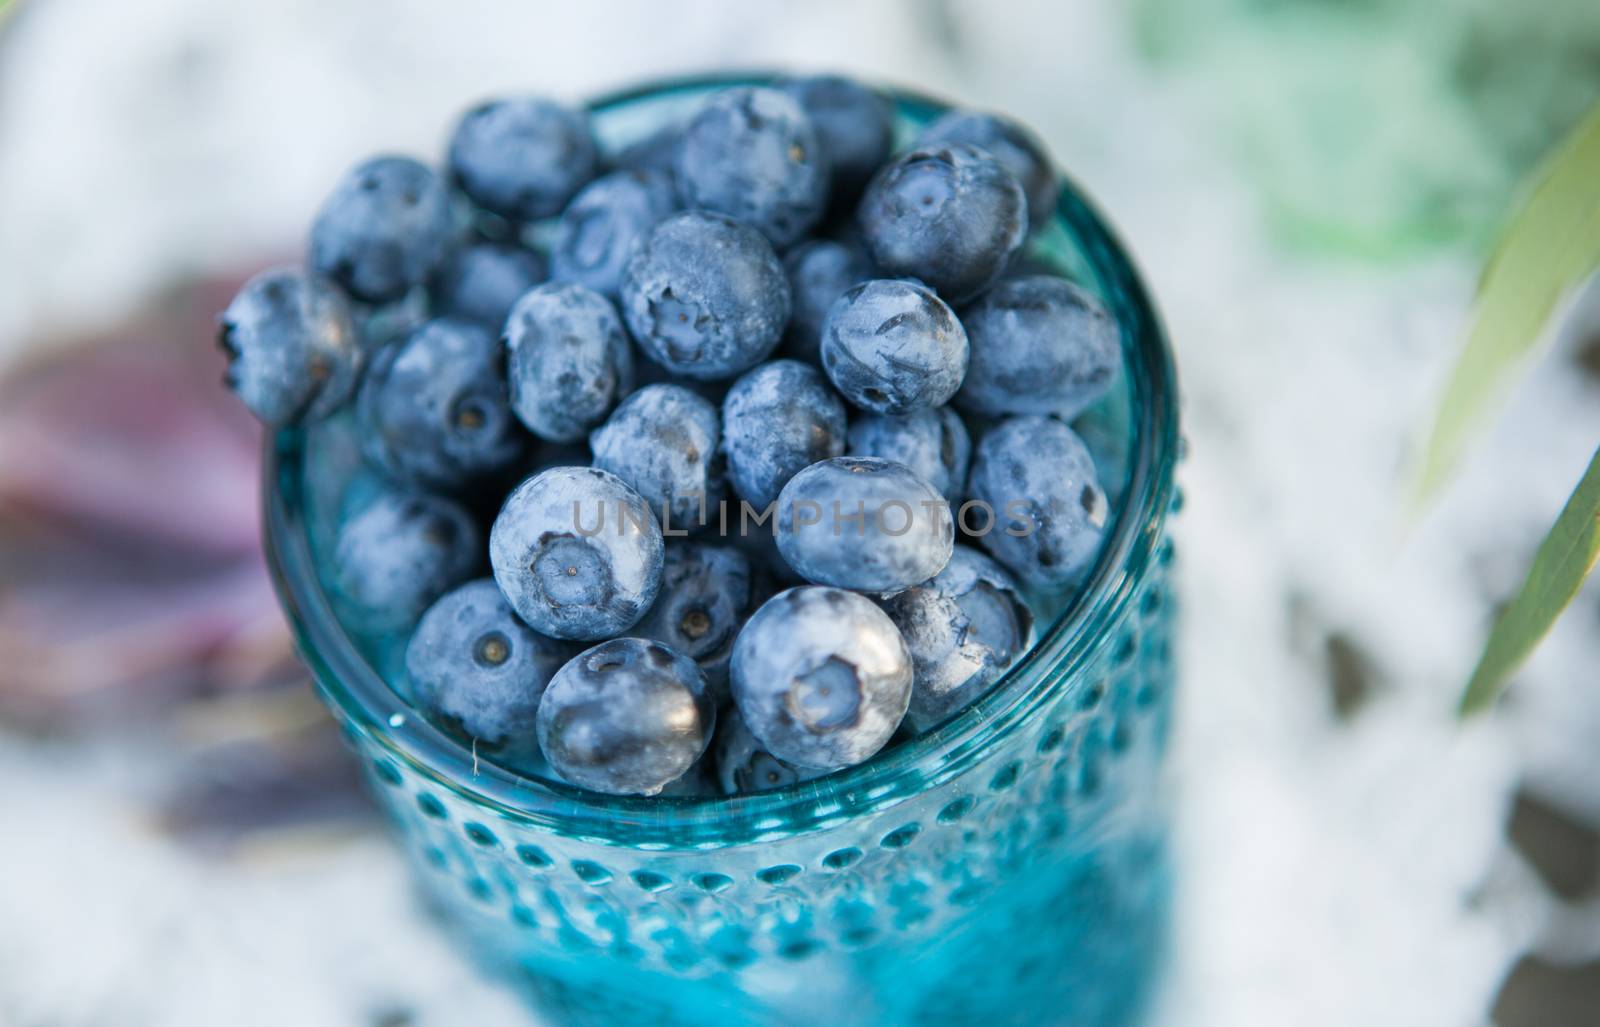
(821, 677)
(865, 524)
(933, 443)
(705, 296)
(820, 271)
(893, 347)
(433, 409)
(776, 420)
(1050, 512)
(577, 553)
(706, 591)
(522, 159)
(752, 153)
(743, 765)
(567, 360)
(395, 553)
(665, 441)
(293, 351)
(602, 226)
(478, 671)
(963, 628)
(480, 282)
(1010, 143)
(628, 717)
(947, 214)
(383, 230)
(854, 124)
(1040, 345)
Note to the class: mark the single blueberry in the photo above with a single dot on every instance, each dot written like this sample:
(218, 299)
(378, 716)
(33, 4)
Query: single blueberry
(479, 672)
(948, 214)
(706, 591)
(777, 420)
(1011, 144)
(821, 677)
(657, 151)
(665, 442)
(1038, 478)
(628, 717)
(854, 124)
(963, 628)
(865, 524)
(395, 553)
(705, 296)
(577, 553)
(893, 347)
(434, 411)
(743, 765)
(293, 350)
(568, 360)
(820, 271)
(603, 225)
(383, 230)
(1040, 345)
(480, 282)
(752, 153)
(933, 443)
(522, 158)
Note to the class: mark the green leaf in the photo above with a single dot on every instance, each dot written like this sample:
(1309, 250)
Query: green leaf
(1551, 244)
(1565, 558)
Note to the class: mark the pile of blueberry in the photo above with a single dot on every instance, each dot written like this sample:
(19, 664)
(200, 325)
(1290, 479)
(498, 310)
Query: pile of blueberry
(706, 407)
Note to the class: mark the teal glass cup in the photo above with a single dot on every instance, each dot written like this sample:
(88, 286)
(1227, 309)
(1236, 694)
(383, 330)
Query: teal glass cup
(1009, 867)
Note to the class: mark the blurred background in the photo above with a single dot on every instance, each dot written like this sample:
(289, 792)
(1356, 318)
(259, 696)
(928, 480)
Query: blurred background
(1311, 188)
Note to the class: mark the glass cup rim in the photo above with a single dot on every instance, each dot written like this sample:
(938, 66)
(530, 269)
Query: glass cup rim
(370, 707)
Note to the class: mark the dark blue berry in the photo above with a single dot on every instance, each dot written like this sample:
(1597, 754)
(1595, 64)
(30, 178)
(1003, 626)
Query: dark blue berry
(893, 347)
(481, 282)
(1011, 144)
(605, 223)
(854, 124)
(776, 420)
(706, 592)
(820, 271)
(522, 159)
(657, 151)
(705, 296)
(933, 443)
(628, 717)
(577, 553)
(293, 350)
(396, 553)
(384, 229)
(949, 215)
(665, 442)
(751, 153)
(568, 360)
(743, 765)
(821, 677)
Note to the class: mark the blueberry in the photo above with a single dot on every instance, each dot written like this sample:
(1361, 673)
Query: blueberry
(948, 214)
(657, 151)
(933, 443)
(524, 158)
(577, 553)
(478, 671)
(854, 124)
(865, 524)
(820, 271)
(481, 282)
(743, 765)
(293, 351)
(383, 230)
(433, 409)
(664, 441)
(752, 153)
(705, 296)
(1012, 145)
(893, 347)
(628, 717)
(821, 677)
(963, 628)
(776, 420)
(568, 360)
(396, 553)
(602, 226)
(706, 591)
(1040, 345)
(1050, 513)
